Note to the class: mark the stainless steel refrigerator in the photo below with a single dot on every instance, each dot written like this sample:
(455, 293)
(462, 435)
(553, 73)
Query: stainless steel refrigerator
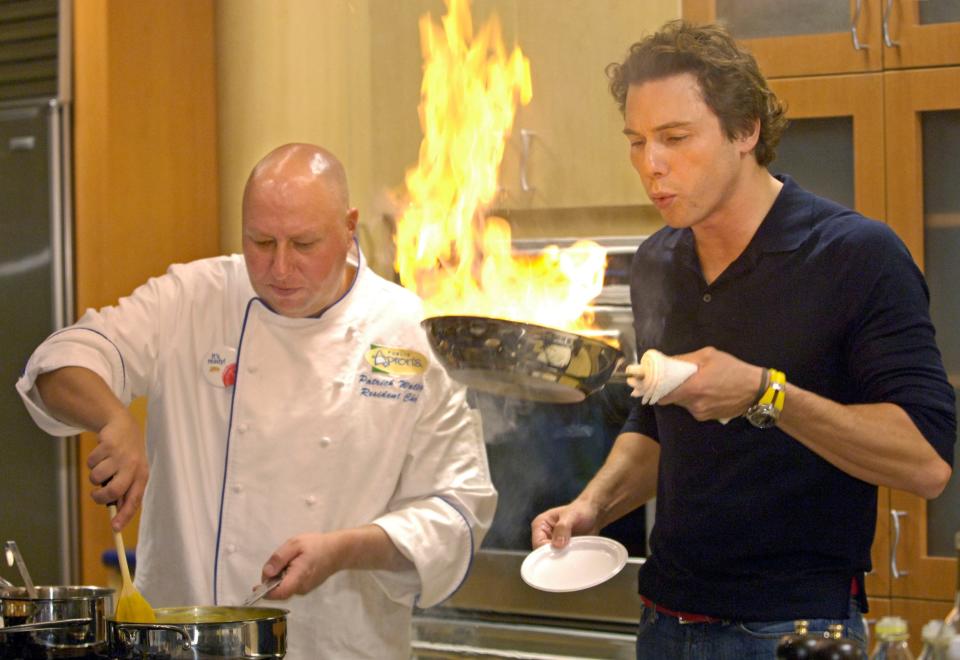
(37, 483)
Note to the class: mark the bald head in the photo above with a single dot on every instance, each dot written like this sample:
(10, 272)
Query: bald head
(298, 229)
(299, 166)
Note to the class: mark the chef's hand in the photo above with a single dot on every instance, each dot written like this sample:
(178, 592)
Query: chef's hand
(558, 524)
(723, 386)
(309, 559)
(119, 458)
(80, 397)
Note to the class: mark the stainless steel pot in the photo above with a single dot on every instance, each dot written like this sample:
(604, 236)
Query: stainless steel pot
(521, 360)
(60, 622)
(202, 632)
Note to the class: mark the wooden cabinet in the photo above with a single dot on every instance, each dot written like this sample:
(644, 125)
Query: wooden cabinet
(145, 172)
(817, 37)
(922, 33)
(800, 38)
(922, 109)
(879, 132)
(904, 132)
(567, 149)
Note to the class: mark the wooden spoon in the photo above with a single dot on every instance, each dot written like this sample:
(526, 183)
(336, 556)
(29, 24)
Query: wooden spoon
(131, 605)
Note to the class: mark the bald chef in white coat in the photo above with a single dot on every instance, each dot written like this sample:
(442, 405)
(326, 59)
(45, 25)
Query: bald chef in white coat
(297, 421)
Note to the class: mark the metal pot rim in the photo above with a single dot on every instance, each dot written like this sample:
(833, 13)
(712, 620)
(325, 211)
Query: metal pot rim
(56, 592)
(175, 616)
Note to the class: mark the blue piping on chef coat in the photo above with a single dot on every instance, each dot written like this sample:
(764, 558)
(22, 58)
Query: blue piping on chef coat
(123, 365)
(226, 455)
(466, 573)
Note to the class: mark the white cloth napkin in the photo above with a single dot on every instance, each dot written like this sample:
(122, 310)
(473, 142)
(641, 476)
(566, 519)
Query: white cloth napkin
(657, 375)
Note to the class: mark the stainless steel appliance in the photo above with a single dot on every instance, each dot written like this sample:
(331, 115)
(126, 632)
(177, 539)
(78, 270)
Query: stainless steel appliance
(36, 292)
(541, 455)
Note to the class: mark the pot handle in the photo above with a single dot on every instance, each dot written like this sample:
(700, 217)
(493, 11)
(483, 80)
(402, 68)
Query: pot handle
(127, 639)
(45, 625)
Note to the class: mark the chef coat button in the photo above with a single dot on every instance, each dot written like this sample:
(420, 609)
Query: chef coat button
(237, 488)
(324, 441)
(231, 548)
(242, 427)
(707, 297)
(311, 500)
(252, 369)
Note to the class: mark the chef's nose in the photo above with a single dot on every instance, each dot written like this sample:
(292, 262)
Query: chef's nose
(281, 260)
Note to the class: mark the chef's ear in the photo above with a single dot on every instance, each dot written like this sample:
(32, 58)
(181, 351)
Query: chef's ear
(353, 217)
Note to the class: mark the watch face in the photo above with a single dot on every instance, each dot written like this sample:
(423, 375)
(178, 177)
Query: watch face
(763, 415)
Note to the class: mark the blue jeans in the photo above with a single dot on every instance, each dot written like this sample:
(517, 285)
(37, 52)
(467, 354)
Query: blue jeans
(663, 637)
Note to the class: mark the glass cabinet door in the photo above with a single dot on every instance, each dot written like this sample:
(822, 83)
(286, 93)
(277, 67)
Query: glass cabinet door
(834, 148)
(920, 33)
(834, 143)
(923, 202)
(800, 37)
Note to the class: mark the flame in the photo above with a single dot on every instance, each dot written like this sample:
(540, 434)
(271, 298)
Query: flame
(458, 259)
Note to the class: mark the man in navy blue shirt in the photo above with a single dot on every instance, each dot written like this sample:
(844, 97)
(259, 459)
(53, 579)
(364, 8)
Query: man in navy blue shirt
(810, 330)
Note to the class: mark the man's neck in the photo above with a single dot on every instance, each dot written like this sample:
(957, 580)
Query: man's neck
(720, 241)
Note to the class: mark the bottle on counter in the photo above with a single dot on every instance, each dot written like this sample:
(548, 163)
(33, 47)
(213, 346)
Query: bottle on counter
(929, 635)
(799, 644)
(940, 638)
(837, 647)
(951, 624)
(892, 639)
(936, 640)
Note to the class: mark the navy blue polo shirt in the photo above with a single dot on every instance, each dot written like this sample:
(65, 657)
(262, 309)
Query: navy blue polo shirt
(750, 524)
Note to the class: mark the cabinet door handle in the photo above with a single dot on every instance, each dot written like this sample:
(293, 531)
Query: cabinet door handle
(887, 10)
(853, 28)
(895, 520)
(526, 136)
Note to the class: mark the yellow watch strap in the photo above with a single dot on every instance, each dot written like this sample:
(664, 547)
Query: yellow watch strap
(775, 390)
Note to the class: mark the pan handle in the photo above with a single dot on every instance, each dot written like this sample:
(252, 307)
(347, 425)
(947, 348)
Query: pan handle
(126, 634)
(619, 374)
(45, 625)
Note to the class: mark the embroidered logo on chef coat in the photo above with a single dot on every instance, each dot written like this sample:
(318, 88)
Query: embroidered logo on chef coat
(219, 367)
(395, 361)
(392, 368)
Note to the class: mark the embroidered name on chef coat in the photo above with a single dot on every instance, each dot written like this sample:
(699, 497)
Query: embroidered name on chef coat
(392, 369)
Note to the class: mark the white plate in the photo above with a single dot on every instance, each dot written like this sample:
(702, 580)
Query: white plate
(585, 562)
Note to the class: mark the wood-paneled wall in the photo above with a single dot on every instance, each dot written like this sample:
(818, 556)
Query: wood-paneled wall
(295, 71)
(145, 167)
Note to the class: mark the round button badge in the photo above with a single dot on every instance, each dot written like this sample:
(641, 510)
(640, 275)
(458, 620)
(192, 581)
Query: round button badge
(219, 367)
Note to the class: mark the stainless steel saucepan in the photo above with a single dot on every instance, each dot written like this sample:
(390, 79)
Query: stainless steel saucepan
(57, 622)
(202, 633)
(521, 360)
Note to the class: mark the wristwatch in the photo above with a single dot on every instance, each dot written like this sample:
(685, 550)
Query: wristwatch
(766, 411)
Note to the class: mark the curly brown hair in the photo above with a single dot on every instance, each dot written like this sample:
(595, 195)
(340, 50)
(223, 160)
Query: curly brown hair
(729, 78)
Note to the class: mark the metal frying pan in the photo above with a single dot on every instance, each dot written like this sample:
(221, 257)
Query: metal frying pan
(521, 360)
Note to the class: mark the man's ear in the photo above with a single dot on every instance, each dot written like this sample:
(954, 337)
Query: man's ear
(748, 141)
(353, 217)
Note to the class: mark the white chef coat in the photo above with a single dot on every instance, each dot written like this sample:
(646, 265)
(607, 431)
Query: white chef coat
(333, 422)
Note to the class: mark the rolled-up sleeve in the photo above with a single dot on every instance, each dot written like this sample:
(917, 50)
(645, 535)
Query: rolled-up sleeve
(444, 503)
(119, 343)
(76, 346)
(893, 348)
